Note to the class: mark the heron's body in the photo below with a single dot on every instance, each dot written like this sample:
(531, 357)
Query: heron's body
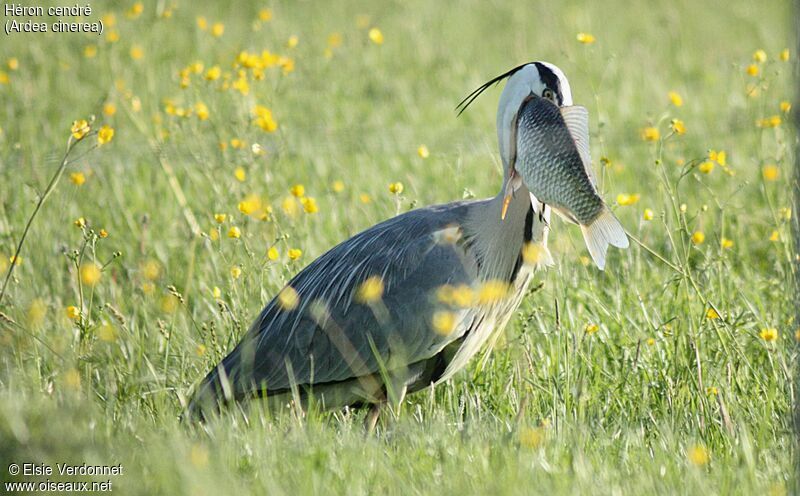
(349, 353)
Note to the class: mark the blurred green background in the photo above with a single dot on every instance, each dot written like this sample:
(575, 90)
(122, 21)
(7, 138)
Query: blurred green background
(636, 387)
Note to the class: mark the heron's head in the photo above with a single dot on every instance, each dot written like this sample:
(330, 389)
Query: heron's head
(539, 79)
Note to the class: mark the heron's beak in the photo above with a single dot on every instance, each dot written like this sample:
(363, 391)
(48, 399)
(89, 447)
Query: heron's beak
(512, 184)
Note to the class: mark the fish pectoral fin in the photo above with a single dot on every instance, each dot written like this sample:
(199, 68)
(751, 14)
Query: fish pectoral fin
(577, 120)
(565, 214)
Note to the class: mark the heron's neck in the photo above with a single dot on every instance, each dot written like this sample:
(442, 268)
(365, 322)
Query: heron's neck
(499, 241)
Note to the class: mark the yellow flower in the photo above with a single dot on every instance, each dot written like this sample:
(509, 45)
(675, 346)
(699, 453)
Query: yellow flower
(4, 77)
(151, 269)
(72, 379)
(198, 455)
(237, 143)
(37, 312)
(648, 214)
(109, 109)
(698, 455)
(236, 271)
(585, 38)
(334, 40)
(240, 174)
(217, 29)
(292, 41)
(706, 167)
(90, 51)
(289, 206)
(90, 274)
(712, 314)
(288, 298)
(785, 107)
(651, 134)
(365, 198)
(201, 110)
(220, 218)
(13, 63)
(535, 253)
(250, 205)
(309, 205)
(752, 70)
(337, 186)
(80, 223)
(148, 288)
(369, 291)
(103, 233)
(77, 178)
(15, 260)
(531, 437)
(213, 73)
(785, 213)
(775, 236)
(202, 23)
(135, 10)
(396, 188)
(79, 129)
(264, 15)
(73, 313)
(136, 52)
(678, 127)
(423, 151)
(105, 135)
(273, 253)
(591, 328)
(625, 199)
(295, 253)
(719, 157)
(112, 36)
(651, 341)
(675, 98)
(760, 56)
(768, 334)
(444, 322)
(376, 36)
(712, 391)
(726, 243)
(698, 238)
(169, 303)
(200, 350)
(770, 172)
(491, 292)
(784, 56)
(298, 190)
(234, 232)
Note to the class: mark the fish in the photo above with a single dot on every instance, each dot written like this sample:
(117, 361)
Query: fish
(553, 160)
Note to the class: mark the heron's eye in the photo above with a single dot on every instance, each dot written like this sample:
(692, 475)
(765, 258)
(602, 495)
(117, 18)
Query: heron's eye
(548, 93)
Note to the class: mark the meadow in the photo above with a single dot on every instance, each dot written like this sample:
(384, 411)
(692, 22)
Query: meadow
(249, 139)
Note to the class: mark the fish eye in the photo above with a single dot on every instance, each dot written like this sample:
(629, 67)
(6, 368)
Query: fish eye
(549, 94)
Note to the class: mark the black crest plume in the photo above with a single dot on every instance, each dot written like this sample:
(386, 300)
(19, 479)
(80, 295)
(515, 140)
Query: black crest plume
(461, 107)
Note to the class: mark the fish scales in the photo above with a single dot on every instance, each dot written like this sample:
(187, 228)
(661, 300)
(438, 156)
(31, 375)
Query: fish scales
(552, 163)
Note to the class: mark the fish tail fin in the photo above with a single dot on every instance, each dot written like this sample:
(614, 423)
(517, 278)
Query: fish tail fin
(603, 231)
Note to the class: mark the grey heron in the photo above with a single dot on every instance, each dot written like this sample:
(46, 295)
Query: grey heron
(406, 303)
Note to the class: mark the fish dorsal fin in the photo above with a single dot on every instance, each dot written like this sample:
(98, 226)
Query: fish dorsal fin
(577, 120)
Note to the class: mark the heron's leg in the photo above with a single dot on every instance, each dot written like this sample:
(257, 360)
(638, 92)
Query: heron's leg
(371, 420)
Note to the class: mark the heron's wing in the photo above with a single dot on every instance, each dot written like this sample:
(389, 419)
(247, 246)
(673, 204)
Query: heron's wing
(330, 336)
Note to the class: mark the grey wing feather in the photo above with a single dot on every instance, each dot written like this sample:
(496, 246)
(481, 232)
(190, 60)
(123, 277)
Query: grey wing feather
(330, 337)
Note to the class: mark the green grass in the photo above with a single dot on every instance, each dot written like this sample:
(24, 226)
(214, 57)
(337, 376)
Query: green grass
(553, 408)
